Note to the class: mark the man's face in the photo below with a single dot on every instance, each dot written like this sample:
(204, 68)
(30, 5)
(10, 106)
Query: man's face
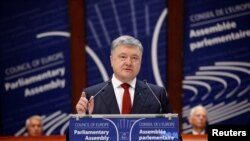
(126, 62)
(35, 127)
(199, 119)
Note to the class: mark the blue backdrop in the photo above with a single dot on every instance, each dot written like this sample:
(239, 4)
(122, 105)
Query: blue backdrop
(35, 67)
(217, 60)
(145, 20)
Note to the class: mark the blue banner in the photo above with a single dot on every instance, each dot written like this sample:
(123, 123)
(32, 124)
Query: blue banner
(145, 20)
(35, 65)
(217, 60)
(124, 128)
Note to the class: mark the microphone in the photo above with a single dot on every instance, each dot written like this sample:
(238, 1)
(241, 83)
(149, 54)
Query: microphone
(108, 83)
(145, 81)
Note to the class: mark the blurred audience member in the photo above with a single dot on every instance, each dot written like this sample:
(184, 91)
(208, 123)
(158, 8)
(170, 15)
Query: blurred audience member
(34, 126)
(198, 120)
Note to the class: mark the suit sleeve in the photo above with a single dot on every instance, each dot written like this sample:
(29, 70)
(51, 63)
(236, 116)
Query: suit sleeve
(166, 107)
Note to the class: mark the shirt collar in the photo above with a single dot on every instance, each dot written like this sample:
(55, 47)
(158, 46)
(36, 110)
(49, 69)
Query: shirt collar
(196, 133)
(117, 83)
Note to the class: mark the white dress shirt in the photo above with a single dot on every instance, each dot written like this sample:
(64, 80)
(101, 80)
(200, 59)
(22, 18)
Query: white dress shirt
(119, 90)
(196, 133)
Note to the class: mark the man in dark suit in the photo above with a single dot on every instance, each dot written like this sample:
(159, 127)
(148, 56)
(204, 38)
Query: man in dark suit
(109, 97)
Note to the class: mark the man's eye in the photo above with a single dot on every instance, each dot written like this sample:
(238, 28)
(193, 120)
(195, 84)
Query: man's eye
(135, 58)
(123, 57)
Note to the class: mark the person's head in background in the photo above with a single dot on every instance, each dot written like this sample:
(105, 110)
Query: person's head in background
(198, 120)
(125, 58)
(34, 126)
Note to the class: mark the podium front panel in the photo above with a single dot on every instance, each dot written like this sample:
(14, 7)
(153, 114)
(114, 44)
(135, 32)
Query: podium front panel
(124, 128)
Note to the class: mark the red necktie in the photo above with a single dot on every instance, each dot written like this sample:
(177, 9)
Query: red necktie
(126, 101)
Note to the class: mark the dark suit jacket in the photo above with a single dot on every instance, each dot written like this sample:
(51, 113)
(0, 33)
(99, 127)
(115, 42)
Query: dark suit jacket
(144, 101)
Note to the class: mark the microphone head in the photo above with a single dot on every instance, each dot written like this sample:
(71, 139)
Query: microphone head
(102, 89)
(109, 82)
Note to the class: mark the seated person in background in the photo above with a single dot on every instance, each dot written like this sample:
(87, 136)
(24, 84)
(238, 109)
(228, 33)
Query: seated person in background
(198, 120)
(34, 126)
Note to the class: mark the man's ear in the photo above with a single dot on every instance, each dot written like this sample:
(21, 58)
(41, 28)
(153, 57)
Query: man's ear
(26, 131)
(110, 57)
(189, 120)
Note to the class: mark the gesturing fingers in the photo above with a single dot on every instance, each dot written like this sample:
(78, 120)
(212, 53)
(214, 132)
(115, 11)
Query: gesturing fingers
(82, 105)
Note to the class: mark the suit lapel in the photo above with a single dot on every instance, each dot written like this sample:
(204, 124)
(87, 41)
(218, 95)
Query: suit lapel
(140, 97)
(109, 100)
